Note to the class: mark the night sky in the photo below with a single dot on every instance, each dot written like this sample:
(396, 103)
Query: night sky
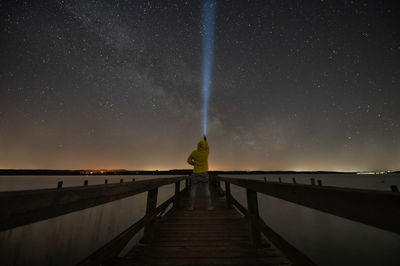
(296, 85)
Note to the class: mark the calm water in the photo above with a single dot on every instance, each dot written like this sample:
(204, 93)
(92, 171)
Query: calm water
(326, 239)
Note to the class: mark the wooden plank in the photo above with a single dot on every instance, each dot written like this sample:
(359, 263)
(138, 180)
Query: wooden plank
(203, 252)
(198, 230)
(242, 242)
(214, 235)
(209, 239)
(201, 222)
(25, 207)
(276, 261)
(201, 229)
(376, 208)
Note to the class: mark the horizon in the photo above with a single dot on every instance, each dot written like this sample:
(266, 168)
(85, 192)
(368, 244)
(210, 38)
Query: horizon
(189, 169)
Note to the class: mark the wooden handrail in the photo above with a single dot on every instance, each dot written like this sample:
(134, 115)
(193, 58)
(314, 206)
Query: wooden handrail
(376, 208)
(25, 207)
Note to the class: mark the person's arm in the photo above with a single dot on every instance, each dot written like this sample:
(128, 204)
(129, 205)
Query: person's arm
(207, 147)
(190, 159)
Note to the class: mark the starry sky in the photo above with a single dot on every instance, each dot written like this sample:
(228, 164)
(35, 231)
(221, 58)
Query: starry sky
(296, 85)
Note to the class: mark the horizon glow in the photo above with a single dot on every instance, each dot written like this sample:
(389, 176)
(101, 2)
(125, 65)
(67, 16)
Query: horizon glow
(208, 22)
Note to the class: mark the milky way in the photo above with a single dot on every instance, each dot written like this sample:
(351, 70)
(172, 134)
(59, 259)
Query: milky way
(296, 85)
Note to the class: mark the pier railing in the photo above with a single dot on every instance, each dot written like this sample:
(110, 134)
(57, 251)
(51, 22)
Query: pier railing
(25, 207)
(380, 209)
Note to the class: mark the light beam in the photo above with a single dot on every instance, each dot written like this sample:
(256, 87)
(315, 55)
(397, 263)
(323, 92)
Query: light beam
(208, 21)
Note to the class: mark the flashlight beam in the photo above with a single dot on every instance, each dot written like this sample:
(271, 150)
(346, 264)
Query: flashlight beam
(208, 21)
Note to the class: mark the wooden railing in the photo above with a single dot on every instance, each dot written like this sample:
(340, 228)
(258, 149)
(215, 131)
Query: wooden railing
(380, 209)
(25, 207)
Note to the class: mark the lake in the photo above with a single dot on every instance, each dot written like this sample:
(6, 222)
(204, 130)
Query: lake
(326, 239)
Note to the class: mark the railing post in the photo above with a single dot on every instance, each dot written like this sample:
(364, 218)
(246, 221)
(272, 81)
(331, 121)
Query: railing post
(252, 206)
(228, 193)
(177, 188)
(150, 206)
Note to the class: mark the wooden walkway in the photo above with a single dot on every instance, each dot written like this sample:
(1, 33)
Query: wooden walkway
(202, 237)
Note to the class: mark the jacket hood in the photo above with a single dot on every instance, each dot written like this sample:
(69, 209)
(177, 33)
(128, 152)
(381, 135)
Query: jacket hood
(201, 146)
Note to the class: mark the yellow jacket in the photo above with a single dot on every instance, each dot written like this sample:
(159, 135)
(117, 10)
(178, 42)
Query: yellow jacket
(199, 158)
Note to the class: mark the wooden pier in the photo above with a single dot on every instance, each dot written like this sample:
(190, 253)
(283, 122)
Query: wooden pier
(230, 234)
(203, 237)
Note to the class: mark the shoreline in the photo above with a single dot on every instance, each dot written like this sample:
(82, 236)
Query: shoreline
(162, 172)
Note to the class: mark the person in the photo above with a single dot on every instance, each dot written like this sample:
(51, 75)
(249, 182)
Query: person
(199, 159)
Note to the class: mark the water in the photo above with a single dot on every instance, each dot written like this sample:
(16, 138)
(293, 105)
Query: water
(326, 239)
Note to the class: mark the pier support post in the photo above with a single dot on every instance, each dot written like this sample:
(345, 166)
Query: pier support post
(150, 206)
(177, 189)
(228, 193)
(252, 206)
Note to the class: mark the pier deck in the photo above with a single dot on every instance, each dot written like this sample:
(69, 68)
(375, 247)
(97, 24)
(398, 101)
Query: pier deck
(203, 237)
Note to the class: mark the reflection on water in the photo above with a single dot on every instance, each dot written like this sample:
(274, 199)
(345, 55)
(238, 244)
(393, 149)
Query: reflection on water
(327, 239)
